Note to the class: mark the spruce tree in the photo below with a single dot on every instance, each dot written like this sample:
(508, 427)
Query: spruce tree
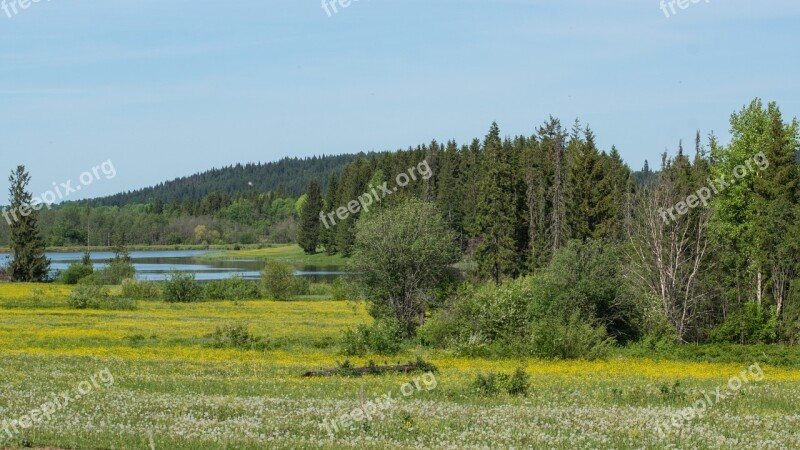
(308, 236)
(328, 233)
(586, 194)
(30, 263)
(496, 211)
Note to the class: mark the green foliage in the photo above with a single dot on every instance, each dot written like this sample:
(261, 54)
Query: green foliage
(310, 226)
(519, 383)
(279, 280)
(140, 290)
(234, 288)
(181, 288)
(753, 324)
(493, 384)
(496, 215)
(88, 296)
(29, 263)
(569, 338)
(560, 313)
(401, 256)
(234, 335)
(113, 274)
(383, 337)
(75, 272)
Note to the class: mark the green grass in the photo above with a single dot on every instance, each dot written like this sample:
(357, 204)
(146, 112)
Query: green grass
(289, 254)
(173, 389)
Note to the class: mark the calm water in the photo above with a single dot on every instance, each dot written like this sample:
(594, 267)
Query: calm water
(156, 265)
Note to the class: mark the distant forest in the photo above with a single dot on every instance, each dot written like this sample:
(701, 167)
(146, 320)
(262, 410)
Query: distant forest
(290, 176)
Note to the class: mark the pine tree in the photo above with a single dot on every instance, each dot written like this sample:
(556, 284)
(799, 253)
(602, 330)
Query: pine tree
(308, 235)
(495, 216)
(30, 263)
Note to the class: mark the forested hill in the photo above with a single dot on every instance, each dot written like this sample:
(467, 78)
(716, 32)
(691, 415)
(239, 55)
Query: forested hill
(293, 174)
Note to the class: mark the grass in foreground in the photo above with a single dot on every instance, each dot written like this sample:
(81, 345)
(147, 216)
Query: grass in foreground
(171, 389)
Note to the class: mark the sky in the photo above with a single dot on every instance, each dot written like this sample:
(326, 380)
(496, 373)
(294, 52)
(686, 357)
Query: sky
(163, 89)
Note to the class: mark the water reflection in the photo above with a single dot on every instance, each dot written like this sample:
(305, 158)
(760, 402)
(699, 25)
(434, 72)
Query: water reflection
(156, 265)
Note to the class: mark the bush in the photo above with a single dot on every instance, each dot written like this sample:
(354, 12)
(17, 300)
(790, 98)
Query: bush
(383, 337)
(116, 271)
(485, 314)
(753, 324)
(233, 336)
(279, 280)
(181, 288)
(234, 288)
(495, 383)
(88, 296)
(75, 272)
(492, 384)
(569, 339)
(519, 383)
(140, 290)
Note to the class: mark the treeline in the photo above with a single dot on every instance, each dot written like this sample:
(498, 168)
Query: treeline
(289, 175)
(530, 194)
(704, 249)
(217, 218)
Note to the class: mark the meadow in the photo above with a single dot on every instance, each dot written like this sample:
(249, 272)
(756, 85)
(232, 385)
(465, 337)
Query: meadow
(174, 389)
(287, 254)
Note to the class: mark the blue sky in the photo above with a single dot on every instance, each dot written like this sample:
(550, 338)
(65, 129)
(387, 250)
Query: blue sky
(168, 88)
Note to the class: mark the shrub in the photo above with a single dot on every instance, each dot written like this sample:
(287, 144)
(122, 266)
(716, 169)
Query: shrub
(492, 384)
(519, 384)
(233, 336)
(89, 296)
(484, 314)
(753, 324)
(75, 272)
(141, 290)
(383, 337)
(279, 280)
(495, 383)
(234, 288)
(569, 339)
(181, 288)
(116, 271)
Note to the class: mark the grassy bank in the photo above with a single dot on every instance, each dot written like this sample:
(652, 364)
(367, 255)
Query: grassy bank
(144, 248)
(173, 389)
(289, 254)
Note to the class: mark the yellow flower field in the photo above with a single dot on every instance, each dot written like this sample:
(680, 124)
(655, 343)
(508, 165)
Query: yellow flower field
(174, 389)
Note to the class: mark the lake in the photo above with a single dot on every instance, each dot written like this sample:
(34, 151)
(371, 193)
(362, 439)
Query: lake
(156, 265)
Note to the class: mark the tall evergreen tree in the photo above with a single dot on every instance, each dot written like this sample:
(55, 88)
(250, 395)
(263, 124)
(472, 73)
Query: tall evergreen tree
(449, 187)
(30, 263)
(308, 235)
(328, 233)
(496, 211)
(587, 191)
(776, 206)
